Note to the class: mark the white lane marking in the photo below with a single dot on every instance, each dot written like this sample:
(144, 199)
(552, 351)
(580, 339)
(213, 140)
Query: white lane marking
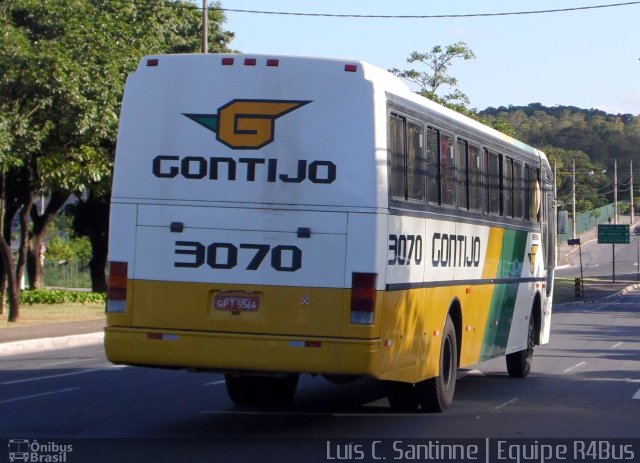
(574, 367)
(33, 396)
(599, 307)
(215, 383)
(265, 413)
(616, 346)
(73, 373)
(637, 395)
(65, 362)
(512, 401)
(288, 413)
(372, 414)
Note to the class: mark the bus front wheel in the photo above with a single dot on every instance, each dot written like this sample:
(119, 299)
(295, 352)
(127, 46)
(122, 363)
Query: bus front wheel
(519, 363)
(436, 394)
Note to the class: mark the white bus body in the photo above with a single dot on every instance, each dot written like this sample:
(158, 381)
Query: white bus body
(254, 229)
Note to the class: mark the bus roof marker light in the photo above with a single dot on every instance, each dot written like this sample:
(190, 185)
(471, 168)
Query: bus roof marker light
(249, 61)
(152, 62)
(350, 67)
(227, 61)
(273, 62)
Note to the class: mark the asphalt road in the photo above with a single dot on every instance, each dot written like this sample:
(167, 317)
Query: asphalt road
(585, 383)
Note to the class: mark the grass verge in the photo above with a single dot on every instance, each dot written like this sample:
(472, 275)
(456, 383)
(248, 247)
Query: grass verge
(593, 289)
(43, 314)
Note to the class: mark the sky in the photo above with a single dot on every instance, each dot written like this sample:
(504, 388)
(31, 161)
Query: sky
(588, 59)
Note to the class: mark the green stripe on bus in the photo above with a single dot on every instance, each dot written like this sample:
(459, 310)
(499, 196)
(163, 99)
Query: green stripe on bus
(504, 296)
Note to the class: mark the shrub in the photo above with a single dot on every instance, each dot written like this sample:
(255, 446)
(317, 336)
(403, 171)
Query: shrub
(60, 296)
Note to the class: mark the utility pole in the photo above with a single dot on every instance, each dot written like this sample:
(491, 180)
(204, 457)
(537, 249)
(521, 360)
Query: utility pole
(631, 189)
(205, 27)
(555, 214)
(615, 191)
(573, 195)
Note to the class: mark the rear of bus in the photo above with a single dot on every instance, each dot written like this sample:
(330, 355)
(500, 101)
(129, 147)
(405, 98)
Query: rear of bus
(247, 217)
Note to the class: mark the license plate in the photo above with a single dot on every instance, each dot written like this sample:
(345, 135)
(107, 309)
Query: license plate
(236, 302)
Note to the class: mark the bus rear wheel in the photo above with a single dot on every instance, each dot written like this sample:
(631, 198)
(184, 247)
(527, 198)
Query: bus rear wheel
(519, 363)
(247, 390)
(436, 394)
(402, 397)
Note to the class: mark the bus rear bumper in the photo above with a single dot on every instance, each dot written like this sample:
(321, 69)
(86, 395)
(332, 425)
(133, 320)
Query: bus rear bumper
(242, 352)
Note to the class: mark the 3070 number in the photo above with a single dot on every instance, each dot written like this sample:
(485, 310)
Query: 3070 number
(226, 255)
(405, 249)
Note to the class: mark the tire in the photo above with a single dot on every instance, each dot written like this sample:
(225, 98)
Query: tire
(402, 396)
(275, 391)
(241, 389)
(436, 394)
(519, 363)
(266, 391)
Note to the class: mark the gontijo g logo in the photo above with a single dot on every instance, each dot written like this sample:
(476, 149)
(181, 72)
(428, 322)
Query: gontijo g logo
(246, 124)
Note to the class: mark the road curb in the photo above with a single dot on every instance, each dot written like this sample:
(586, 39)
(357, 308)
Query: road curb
(42, 344)
(622, 292)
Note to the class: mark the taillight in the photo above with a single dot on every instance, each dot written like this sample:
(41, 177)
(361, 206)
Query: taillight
(117, 292)
(363, 298)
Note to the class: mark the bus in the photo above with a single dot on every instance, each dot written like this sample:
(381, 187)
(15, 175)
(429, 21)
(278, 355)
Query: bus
(274, 216)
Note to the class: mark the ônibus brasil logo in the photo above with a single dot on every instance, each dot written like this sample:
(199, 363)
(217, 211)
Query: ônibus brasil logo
(246, 124)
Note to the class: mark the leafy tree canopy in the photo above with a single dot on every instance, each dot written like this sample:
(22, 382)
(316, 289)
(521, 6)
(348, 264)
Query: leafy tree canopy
(63, 64)
(437, 61)
(602, 137)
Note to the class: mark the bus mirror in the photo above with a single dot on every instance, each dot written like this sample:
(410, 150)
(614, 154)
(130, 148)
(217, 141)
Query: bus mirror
(563, 221)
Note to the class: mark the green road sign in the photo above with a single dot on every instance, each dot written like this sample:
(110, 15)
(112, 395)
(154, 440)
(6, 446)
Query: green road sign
(613, 234)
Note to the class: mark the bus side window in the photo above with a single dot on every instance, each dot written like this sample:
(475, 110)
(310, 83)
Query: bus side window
(508, 187)
(492, 180)
(527, 196)
(462, 169)
(532, 194)
(474, 173)
(535, 193)
(396, 156)
(433, 174)
(415, 163)
(447, 171)
(518, 190)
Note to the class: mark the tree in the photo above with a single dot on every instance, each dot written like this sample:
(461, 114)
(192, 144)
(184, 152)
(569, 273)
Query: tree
(438, 60)
(591, 180)
(91, 219)
(63, 64)
(170, 31)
